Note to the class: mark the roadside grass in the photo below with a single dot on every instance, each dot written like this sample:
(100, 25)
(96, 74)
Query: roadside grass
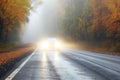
(9, 59)
(102, 48)
(7, 46)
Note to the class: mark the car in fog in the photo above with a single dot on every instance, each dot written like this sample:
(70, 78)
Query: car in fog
(50, 44)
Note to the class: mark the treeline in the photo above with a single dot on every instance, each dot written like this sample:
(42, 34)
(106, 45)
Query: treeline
(13, 15)
(93, 21)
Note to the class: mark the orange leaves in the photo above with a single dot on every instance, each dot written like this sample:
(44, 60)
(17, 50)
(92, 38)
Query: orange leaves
(13, 12)
(6, 57)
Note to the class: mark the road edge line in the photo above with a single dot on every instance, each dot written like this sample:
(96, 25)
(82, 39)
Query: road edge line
(13, 74)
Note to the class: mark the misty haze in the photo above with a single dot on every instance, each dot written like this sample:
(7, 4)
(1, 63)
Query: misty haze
(43, 21)
(59, 39)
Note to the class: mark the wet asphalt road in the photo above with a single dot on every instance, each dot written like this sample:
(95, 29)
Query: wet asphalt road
(69, 64)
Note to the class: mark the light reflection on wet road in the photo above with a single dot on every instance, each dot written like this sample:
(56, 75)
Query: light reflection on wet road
(55, 65)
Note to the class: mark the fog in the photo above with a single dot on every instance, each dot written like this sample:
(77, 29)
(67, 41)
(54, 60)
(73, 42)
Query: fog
(43, 21)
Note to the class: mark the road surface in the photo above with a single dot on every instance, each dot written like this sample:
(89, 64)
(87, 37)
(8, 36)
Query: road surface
(67, 64)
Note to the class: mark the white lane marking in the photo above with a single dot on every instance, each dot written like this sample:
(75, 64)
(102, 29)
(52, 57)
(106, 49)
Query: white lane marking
(12, 75)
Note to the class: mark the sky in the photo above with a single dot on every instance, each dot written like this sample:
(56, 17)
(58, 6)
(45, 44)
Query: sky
(43, 20)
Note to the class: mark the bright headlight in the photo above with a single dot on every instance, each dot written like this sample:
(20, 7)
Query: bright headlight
(44, 45)
(50, 44)
(57, 45)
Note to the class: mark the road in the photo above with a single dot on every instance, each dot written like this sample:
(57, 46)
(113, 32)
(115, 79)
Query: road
(67, 64)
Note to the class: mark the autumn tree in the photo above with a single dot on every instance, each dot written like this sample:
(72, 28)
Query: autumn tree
(93, 21)
(13, 13)
(112, 21)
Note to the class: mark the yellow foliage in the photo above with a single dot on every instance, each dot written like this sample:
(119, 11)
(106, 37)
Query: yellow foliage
(13, 12)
